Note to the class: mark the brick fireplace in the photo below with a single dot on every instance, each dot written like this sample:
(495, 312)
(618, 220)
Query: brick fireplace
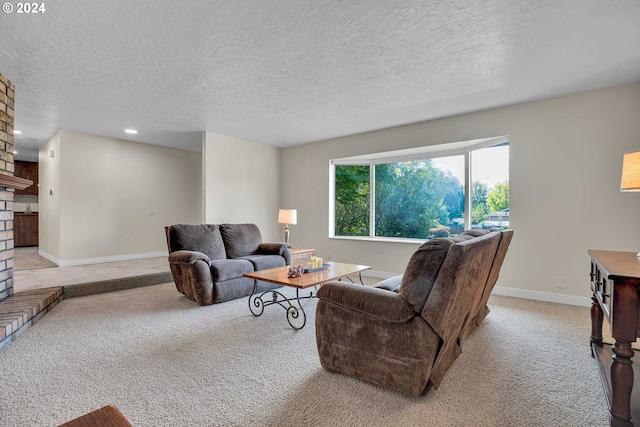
(20, 310)
(7, 103)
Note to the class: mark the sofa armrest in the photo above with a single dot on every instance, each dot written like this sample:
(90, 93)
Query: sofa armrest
(188, 257)
(380, 303)
(191, 271)
(278, 248)
(272, 248)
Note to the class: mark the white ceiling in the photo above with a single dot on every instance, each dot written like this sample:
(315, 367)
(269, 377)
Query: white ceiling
(286, 72)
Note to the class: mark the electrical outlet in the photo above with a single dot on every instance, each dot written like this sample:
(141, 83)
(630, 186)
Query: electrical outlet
(560, 282)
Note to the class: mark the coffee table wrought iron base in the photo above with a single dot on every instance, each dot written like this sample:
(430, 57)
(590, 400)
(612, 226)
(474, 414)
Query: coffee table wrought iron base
(293, 306)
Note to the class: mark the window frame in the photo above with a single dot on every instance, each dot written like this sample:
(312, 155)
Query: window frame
(464, 148)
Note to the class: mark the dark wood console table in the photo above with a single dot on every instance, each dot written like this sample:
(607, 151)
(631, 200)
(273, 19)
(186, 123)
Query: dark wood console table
(615, 283)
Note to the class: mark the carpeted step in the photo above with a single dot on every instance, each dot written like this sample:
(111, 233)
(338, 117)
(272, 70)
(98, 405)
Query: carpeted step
(19, 311)
(102, 286)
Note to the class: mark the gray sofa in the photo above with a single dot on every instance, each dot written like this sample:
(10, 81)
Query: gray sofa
(406, 332)
(207, 261)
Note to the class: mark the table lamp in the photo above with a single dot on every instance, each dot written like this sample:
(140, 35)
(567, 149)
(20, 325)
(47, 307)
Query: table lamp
(631, 173)
(286, 217)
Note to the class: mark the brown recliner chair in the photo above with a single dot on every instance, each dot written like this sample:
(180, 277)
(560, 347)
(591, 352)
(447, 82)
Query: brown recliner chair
(207, 261)
(407, 340)
(480, 309)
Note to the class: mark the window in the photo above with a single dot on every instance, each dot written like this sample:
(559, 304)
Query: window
(417, 198)
(352, 200)
(490, 187)
(421, 193)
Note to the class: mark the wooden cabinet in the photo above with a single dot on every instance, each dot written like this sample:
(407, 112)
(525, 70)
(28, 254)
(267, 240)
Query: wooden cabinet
(25, 229)
(615, 283)
(28, 170)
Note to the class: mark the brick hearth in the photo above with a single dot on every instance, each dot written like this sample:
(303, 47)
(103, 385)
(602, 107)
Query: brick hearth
(21, 310)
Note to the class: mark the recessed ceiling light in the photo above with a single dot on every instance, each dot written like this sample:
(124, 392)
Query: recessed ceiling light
(15, 152)
(131, 131)
(17, 132)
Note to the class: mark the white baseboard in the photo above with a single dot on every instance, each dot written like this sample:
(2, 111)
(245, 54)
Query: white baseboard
(99, 260)
(542, 296)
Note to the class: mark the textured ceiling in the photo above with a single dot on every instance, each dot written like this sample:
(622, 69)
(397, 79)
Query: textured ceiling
(286, 72)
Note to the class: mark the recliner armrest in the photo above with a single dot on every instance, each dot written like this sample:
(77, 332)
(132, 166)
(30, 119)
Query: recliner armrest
(272, 248)
(188, 257)
(278, 248)
(381, 303)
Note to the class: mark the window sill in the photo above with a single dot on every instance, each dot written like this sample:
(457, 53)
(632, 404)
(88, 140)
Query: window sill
(380, 239)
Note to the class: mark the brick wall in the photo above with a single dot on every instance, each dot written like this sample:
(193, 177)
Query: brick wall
(7, 98)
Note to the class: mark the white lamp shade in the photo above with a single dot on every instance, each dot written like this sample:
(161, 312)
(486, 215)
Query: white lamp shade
(630, 172)
(288, 216)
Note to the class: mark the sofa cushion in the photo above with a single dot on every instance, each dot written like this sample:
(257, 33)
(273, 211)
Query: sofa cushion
(225, 269)
(422, 271)
(390, 284)
(240, 239)
(263, 262)
(205, 238)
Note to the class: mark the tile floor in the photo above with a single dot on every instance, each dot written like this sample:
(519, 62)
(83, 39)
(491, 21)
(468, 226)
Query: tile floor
(61, 276)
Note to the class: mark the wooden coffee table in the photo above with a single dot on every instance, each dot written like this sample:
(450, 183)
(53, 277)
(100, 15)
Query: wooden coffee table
(295, 310)
(108, 416)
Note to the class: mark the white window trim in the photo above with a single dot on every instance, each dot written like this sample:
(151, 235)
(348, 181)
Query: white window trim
(420, 153)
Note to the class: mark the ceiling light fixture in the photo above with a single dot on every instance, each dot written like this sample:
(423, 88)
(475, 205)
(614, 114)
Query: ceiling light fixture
(131, 131)
(17, 132)
(15, 152)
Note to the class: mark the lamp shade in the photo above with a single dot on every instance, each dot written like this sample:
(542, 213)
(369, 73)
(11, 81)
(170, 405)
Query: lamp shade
(630, 172)
(288, 216)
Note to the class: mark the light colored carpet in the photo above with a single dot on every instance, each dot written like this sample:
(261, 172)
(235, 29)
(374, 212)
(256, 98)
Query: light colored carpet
(163, 361)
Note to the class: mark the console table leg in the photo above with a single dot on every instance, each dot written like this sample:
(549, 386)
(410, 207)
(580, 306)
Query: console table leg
(621, 384)
(596, 324)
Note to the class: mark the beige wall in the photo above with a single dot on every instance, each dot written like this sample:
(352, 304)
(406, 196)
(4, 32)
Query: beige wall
(565, 163)
(115, 196)
(49, 204)
(241, 183)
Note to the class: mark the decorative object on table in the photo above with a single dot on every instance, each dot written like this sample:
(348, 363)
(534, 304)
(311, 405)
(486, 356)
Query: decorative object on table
(286, 217)
(314, 263)
(295, 271)
(322, 267)
(631, 173)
